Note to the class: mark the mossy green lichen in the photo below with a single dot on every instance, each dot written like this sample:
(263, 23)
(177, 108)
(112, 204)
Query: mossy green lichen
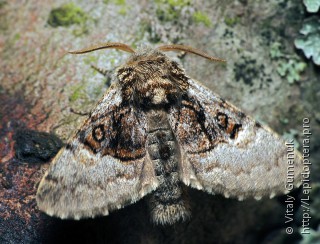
(119, 2)
(231, 21)
(123, 10)
(17, 37)
(200, 17)
(309, 42)
(174, 3)
(124, 7)
(85, 93)
(2, 3)
(116, 2)
(66, 15)
(170, 10)
(275, 50)
(288, 66)
(146, 27)
(78, 92)
(312, 5)
(90, 59)
(291, 69)
(167, 14)
(3, 19)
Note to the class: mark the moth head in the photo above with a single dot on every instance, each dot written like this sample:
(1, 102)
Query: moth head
(150, 77)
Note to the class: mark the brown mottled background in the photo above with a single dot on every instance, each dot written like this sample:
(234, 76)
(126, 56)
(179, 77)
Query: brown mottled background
(40, 84)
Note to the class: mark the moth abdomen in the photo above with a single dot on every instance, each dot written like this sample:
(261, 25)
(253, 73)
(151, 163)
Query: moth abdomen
(168, 202)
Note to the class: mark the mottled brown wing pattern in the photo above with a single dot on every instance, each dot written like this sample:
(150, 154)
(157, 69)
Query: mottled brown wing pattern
(103, 167)
(116, 133)
(224, 151)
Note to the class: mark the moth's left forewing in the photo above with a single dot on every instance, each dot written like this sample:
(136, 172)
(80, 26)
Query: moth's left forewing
(224, 151)
(103, 167)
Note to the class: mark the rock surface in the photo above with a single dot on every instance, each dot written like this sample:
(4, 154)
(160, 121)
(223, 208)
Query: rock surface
(40, 84)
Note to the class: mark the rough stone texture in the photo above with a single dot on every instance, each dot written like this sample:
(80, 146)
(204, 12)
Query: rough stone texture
(39, 84)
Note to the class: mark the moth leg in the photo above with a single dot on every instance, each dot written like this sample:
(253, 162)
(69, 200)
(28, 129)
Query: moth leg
(106, 73)
(79, 113)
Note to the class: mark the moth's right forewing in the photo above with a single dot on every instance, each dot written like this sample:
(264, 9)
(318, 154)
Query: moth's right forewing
(103, 167)
(224, 151)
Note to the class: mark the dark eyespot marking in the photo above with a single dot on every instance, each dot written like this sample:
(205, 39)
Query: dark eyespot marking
(222, 120)
(235, 130)
(98, 133)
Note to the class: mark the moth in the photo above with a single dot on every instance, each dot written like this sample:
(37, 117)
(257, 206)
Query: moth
(155, 132)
